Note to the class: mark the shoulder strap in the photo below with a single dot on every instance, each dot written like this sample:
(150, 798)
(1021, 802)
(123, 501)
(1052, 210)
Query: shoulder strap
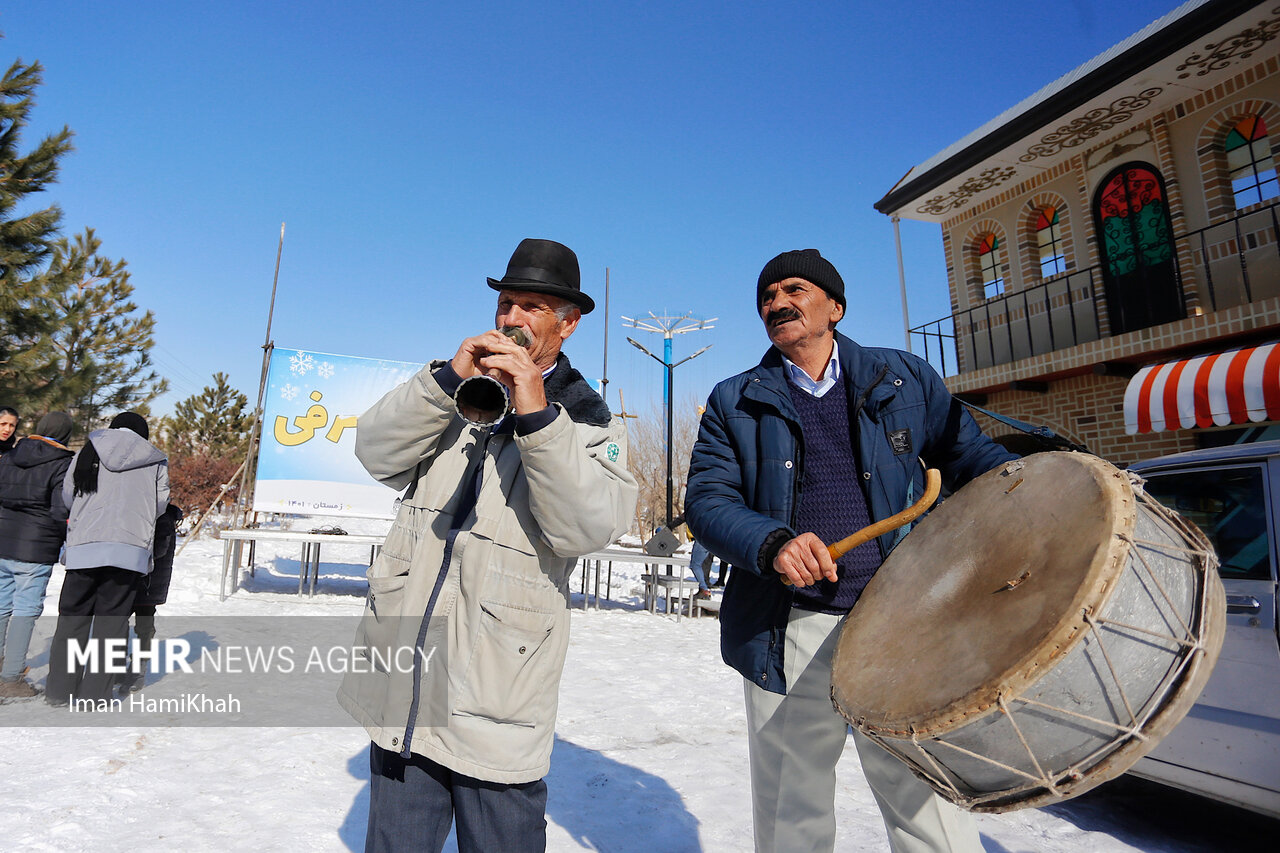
(1040, 432)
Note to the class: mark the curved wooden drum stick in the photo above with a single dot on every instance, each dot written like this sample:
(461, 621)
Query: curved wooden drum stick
(932, 487)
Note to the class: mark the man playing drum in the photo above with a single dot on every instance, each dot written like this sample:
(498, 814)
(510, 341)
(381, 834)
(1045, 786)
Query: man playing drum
(818, 440)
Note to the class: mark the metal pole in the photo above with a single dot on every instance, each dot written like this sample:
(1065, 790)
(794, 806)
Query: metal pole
(666, 392)
(902, 281)
(604, 374)
(666, 359)
(669, 329)
(255, 433)
(275, 280)
(671, 373)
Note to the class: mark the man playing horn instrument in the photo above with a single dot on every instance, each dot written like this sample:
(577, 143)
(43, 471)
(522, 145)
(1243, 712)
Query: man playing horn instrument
(472, 583)
(820, 439)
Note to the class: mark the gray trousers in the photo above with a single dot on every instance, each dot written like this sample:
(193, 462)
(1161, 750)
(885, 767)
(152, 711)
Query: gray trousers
(795, 742)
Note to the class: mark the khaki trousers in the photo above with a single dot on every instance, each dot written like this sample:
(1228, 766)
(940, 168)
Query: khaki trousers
(795, 742)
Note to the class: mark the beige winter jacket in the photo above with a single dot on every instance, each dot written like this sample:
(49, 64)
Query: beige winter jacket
(481, 696)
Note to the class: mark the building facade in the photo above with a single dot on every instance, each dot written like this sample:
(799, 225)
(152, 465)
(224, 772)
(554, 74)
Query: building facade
(1111, 243)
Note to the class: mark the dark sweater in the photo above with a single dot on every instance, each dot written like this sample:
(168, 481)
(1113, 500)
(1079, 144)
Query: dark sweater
(831, 502)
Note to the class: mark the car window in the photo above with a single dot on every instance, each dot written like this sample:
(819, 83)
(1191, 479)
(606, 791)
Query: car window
(1230, 506)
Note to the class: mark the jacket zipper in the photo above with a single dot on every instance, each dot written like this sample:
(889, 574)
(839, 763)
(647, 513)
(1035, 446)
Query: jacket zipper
(468, 504)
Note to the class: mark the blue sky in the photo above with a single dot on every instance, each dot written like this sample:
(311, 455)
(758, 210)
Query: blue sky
(410, 146)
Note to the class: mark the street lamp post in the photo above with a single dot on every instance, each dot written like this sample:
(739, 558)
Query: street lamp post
(671, 372)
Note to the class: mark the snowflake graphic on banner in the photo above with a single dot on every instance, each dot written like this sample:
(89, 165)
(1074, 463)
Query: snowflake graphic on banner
(301, 363)
(324, 370)
(289, 392)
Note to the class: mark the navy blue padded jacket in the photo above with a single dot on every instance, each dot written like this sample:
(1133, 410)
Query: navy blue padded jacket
(748, 463)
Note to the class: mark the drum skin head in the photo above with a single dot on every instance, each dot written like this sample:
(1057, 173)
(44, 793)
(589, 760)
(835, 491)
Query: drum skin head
(988, 590)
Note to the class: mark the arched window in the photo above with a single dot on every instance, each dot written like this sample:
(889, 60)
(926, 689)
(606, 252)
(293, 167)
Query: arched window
(1139, 264)
(989, 263)
(1250, 162)
(1049, 239)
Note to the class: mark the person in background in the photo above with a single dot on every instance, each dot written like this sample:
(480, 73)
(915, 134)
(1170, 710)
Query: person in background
(819, 440)
(153, 592)
(116, 488)
(33, 526)
(8, 429)
(700, 564)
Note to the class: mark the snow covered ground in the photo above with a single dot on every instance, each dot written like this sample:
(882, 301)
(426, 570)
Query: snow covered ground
(650, 753)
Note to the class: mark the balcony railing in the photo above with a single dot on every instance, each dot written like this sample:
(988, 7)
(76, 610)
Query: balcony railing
(1222, 266)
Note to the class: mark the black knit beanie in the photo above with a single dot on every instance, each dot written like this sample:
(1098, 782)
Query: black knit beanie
(133, 421)
(55, 425)
(807, 264)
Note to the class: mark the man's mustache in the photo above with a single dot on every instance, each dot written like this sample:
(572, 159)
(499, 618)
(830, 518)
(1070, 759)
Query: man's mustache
(781, 315)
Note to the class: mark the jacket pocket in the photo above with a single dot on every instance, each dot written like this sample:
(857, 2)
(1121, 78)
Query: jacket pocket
(377, 658)
(507, 677)
(380, 627)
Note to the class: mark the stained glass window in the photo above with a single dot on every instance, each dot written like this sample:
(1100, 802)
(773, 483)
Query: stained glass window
(1135, 224)
(1049, 238)
(1135, 236)
(989, 261)
(1250, 162)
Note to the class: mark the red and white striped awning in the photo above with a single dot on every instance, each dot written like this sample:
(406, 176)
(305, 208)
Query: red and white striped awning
(1235, 387)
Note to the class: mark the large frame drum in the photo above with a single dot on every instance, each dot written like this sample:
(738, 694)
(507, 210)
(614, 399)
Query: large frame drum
(1034, 636)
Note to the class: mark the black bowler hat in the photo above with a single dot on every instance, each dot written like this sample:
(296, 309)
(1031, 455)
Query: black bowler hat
(545, 266)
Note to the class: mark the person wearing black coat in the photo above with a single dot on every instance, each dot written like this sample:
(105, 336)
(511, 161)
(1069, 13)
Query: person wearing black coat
(154, 591)
(33, 525)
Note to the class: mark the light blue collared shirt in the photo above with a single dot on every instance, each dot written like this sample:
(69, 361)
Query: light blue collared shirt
(809, 385)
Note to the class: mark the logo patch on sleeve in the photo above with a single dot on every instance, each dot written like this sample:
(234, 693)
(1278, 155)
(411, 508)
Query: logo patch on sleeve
(900, 441)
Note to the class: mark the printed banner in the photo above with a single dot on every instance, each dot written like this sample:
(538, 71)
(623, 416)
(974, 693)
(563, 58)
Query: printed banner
(307, 463)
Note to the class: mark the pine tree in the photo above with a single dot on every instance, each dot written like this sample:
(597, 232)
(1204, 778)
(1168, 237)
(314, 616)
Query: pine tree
(215, 421)
(25, 238)
(95, 359)
(206, 439)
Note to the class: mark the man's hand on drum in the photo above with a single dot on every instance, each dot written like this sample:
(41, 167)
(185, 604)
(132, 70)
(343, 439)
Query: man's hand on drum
(494, 354)
(805, 560)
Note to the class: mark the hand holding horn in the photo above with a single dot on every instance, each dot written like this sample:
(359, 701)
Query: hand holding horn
(482, 399)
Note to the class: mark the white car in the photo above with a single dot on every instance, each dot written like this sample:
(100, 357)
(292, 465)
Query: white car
(1228, 746)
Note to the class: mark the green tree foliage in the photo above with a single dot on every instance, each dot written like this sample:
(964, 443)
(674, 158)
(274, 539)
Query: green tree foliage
(216, 421)
(94, 360)
(25, 235)
(206, 438)
(70, 338)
